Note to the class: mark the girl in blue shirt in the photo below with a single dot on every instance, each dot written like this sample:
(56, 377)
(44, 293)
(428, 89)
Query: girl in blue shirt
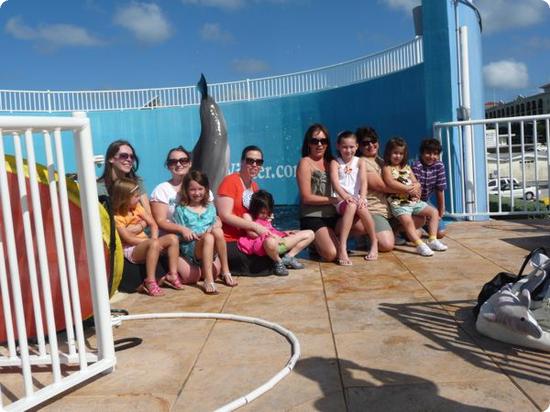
(198, 214)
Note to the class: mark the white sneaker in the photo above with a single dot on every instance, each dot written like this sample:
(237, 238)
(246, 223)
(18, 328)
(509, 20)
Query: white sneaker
(437, 245)
(424, 250)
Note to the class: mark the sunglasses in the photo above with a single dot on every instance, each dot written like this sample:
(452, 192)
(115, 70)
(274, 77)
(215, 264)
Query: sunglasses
(184, 161)
(316, 142)
(366, 143)
(251, 162)
(125, 156)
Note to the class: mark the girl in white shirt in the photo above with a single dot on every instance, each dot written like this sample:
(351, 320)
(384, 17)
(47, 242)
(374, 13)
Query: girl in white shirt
(348, 175)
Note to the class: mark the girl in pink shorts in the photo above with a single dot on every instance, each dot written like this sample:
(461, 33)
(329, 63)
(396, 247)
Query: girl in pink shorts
(348, 175)
(273, 242)
(131, 220)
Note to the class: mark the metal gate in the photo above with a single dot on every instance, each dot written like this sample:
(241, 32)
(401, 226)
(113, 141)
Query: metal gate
(497, 166)
(52, 264)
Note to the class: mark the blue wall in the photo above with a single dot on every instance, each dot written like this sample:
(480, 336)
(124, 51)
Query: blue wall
(405, 103)
(393, 104)
(442, 85)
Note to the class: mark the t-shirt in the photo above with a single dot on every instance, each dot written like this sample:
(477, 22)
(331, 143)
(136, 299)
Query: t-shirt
(431, 178)
(232, 186)
(402, 175)
(167, 194)
(133, 217)
(376, 201)
(197, 222)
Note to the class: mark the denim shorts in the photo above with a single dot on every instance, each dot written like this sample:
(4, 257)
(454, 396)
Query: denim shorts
(413, 209)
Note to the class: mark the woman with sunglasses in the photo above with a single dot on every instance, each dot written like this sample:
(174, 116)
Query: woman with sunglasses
(317, 211)
(165, 198)
(377, 190)
(121, 161)
(232, 202)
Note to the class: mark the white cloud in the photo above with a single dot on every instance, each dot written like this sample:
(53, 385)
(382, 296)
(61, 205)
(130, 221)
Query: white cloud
(222, 4)
(506, 74)
(145, 21)
(212, 32)
(403, 5)
(500, 15)
(249, 66)
(51, 36)
(497, 15)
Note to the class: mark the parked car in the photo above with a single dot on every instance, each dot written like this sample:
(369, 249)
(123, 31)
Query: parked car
(517, 189)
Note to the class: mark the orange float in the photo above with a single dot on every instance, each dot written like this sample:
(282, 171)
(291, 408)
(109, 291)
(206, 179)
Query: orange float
(53, 267)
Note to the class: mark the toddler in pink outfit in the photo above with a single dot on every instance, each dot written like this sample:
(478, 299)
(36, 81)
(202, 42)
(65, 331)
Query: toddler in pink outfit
(272, 242)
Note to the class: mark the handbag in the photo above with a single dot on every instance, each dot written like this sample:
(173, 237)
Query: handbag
(503, 278)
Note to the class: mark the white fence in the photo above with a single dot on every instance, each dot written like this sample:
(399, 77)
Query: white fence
(51, 263)
(365, 68)
(513, 173)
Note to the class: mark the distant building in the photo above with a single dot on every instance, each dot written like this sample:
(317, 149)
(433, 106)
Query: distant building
(521, 106)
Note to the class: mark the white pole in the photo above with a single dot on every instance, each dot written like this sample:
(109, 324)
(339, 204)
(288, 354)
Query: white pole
(94, 241)
(466, 106)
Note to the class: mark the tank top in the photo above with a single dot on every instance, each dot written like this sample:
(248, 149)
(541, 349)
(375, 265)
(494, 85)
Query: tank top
(320, 185)
(348, 175)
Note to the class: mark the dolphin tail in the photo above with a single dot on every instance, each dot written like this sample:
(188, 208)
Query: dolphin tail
(203, 86)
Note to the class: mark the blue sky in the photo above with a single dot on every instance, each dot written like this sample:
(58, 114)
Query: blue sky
(106, 44)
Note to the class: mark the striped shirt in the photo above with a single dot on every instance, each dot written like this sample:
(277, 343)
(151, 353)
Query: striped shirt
(431, 178)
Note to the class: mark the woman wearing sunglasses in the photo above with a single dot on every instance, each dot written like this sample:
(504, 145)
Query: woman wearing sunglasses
(232, 202)
(317, 211)
(121, 161)
(377, 190)
(164, 200)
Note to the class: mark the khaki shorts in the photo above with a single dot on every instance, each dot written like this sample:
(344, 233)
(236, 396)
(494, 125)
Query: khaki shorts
(381, 224)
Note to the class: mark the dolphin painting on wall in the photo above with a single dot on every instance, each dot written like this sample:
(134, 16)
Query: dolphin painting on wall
(211, 153)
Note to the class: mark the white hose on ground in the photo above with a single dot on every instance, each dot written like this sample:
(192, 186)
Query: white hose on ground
(237, 403)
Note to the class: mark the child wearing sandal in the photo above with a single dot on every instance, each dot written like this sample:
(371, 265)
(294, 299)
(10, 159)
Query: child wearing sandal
(131, 221)
(273, 243)
(198, 214)
(397, 173)
(348, 176)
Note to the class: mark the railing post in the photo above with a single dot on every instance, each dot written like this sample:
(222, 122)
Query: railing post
(48, 93)
(465, 109)
(94, 242)
(248, 97)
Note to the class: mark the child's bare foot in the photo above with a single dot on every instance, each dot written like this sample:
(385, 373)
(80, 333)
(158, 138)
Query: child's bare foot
(228, 280)
(343, 258)
(373, 253)
(210, 288)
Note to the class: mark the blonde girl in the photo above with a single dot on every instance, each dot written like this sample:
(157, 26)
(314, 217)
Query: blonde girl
(131, 221)
(199, 215)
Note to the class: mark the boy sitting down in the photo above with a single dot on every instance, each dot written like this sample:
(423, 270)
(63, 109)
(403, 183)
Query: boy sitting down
(430, 173)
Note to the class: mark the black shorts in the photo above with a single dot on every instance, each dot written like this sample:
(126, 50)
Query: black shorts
(316, 223)
(247, 265)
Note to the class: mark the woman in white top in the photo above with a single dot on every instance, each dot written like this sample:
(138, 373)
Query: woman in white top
(164, 199)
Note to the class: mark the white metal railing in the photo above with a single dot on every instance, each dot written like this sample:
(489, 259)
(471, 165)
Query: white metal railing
(29, 222)
(516, 162)
(365, 68)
